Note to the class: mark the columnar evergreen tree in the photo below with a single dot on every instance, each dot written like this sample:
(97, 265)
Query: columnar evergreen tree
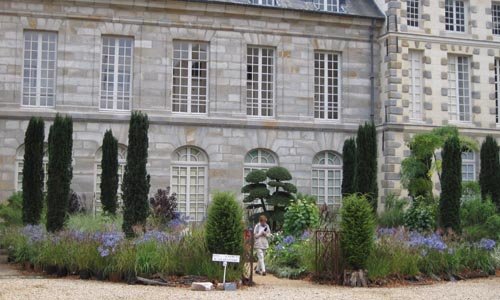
(366, 164)
(109, 175)
(489, 176)
(33, 171)
(451, 184)
(349, 167)
(135, 186)
(60, 171)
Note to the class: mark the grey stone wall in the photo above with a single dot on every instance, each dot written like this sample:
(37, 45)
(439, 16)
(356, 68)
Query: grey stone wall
(225, 132)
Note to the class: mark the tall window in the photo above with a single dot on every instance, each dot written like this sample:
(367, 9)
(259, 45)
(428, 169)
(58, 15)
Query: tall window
(39, 69)
(455, 15)
(412, 13)
(326, 85)
(20, 165)
(459, 88)
(260, 81)
(497, 87)
(116, 73)
(495, 12)
(415, 58)
(327, 178)
(468, 166)
(190, 77)
(330, 5)
(122, 161)
(189, 181)
(264, 2)
(259, 159)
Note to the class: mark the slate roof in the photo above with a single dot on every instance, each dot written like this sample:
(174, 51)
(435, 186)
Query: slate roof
(360, 8)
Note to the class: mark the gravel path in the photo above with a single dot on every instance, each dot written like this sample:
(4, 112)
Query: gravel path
(18, 286)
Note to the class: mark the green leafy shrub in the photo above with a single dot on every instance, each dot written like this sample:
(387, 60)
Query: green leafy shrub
(470, 190)
(136, 181)
(421, 216)
(291, 257)
(492, 226)
(476, 211)
(33, 171)
(394, 212)
(300, 215)
(11, 211)
(224, 227)
(357, 231)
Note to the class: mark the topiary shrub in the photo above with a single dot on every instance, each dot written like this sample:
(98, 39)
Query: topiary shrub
(60, 172)
(300, 215)
(256, 190)
(349, 167)
(224, 226)
(451, 184)
(109, 175)
(357, 231)
(489, 176)
(33, 171)
(136, 184)
(282, 195)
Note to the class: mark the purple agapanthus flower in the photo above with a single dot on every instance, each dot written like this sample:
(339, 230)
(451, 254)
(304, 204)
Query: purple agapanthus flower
(108, 241)
(289, 240)
(305, 235)
(487, 244)
(433, 242)
(154, 235)
(386, 231)
(34, 233)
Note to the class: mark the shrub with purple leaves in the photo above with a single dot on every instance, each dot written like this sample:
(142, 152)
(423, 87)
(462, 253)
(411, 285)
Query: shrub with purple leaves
(433, 241)
(487, 244)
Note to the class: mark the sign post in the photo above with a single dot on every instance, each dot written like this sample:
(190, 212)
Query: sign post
(225, 258)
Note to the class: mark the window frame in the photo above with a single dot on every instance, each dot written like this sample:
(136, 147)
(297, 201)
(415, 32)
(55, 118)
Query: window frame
(250, 101)
(322, 100)
(454, 100)
(116, 67)
(39, 70)
(414, 20)
(468, 162)
(329, 5)
(416, 99)
(265, 2)
(189, 98)
(495, 18)
(326, 168)
(454, 26)
(250, 166)
(188, 164)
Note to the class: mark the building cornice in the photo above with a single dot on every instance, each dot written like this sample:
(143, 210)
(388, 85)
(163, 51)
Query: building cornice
(439, 39)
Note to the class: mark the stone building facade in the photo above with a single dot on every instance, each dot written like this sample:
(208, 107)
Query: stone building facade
(440, 66)
(228, 86)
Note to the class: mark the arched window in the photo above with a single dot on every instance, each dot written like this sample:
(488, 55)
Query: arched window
(20, 165)
(189, 180)
(327, 177)
(468, 166)
(259, 159)
(330, 5)
(264, 2)
(122, 160)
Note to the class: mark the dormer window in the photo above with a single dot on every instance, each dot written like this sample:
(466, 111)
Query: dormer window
(264, 2)
(330, 5)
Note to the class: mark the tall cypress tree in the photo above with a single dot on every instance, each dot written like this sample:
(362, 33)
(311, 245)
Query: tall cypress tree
(109, 175)
(366, 163)
(349, 167)
(451, 184)
(489, 176)
(33, 171)
(135, 184)
(60, 171)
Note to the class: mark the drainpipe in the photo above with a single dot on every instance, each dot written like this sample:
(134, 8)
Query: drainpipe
(372, 73)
